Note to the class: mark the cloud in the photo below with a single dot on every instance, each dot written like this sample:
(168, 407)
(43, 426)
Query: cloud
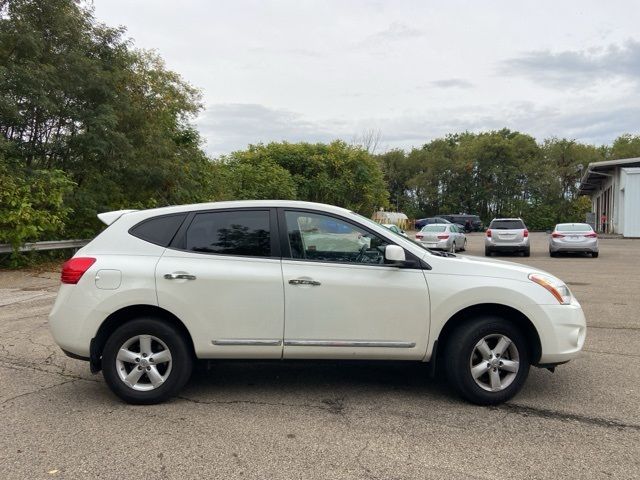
(451, 83)
(573, 68)
(232, 126)
(298, 52)
(393, 33)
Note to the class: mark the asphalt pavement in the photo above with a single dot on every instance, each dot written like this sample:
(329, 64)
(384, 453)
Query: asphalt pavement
(299, 420)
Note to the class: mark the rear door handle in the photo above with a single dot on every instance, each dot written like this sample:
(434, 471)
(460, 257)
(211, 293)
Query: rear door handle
(179, 276)
(304, 281)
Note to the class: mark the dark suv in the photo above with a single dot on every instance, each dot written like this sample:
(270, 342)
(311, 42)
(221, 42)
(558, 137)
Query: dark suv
(430, 220)
(471, 223)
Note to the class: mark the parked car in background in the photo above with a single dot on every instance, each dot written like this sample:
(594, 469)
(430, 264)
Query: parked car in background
(442, 236)
(273, 279)
(428, 221)
(573, 238)
(470, 223)
(394, 228)
(507, 235)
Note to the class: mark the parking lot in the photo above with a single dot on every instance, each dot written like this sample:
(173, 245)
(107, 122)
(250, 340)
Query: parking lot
(331, 419)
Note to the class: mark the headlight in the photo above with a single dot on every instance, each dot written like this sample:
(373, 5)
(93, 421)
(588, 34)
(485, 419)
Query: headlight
(557, 288)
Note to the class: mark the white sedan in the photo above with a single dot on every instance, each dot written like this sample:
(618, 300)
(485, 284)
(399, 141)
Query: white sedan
(159, 289)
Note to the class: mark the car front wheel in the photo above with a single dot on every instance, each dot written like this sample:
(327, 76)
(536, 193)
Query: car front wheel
(487, 360)
(146, 361)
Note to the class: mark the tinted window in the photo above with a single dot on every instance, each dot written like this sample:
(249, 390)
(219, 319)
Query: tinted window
(240, 232)
(573, 227)
(507, 225)
(434, 228)
(328, 239)
(158, 230)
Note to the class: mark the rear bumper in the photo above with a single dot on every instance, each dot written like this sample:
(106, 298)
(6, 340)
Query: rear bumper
(555, 246)
(510, 247)
(440, 245)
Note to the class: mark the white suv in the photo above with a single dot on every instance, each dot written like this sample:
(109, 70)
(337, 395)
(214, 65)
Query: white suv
(161, 288)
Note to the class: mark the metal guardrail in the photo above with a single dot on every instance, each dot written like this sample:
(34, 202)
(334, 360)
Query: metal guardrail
(44, 246)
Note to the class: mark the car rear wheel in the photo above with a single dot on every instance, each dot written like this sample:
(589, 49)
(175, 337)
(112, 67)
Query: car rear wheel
(464, 246)
(594, 255)
(553, 254)
(487, 360)
(487, 252)
(527, 252)
(146, 361)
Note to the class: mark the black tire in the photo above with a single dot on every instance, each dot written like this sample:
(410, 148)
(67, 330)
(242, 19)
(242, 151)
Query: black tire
(594, 255)
(527, 252)
(460, 347)
(181, 360)
(464, 246)
(553, 254)
(487, 252)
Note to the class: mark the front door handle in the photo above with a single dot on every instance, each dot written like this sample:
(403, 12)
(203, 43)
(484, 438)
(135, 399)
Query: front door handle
(304, 281)
(179, 276)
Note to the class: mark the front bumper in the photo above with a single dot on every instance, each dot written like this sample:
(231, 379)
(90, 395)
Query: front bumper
(563, 334)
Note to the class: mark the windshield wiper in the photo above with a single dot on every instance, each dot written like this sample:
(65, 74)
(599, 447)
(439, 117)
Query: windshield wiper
(442, 254)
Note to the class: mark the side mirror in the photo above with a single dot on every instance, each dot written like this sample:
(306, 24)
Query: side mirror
(394, 254)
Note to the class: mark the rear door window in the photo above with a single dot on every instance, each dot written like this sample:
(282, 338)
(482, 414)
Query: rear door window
(239, 232)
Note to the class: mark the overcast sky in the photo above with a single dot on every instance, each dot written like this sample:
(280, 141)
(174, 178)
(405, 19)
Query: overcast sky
(414, 70)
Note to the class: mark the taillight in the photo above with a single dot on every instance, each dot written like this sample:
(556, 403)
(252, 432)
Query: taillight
(591, 235)
(489, 232)
(526, 233)
(557, 235)
(73, 269)
(443, 237)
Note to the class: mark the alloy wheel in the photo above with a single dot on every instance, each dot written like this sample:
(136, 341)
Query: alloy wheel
(494, 362)
(143, 362)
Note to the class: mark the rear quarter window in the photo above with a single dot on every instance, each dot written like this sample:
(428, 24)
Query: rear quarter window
(159, 230)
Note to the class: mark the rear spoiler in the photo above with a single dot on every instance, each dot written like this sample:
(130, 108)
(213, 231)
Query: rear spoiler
(109, 217)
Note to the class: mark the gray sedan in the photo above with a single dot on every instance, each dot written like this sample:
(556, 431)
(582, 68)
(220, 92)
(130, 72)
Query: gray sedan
(442, 236)
(573, 237)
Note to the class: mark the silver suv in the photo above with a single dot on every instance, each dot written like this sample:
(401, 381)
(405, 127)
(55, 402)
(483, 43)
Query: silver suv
(507, 235)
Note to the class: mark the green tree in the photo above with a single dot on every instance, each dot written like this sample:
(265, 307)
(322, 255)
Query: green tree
(75, 96)
(335, 173)
(625, 146)
(31, 204)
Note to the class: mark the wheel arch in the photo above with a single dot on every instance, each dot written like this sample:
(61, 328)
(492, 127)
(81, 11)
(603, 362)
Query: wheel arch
(124, 315)
(504, 311)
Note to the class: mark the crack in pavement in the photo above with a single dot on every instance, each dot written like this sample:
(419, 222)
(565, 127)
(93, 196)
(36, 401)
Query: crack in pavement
(19, 366)
(612, 327)
(611, 353)
(526, 411)
(331, 404)
(10, 399)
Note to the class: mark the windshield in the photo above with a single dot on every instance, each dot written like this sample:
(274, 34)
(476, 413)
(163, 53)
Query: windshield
(434, 228)
(369, 222)
(507, 225)
(573, 227)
